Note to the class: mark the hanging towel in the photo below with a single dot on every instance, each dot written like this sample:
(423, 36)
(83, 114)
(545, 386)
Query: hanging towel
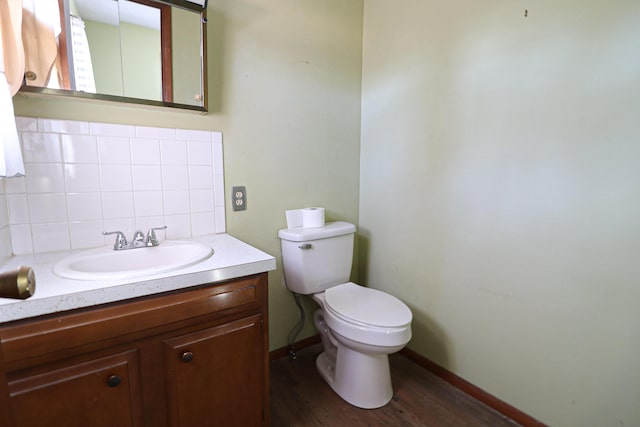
(11, 47)
(11, 72)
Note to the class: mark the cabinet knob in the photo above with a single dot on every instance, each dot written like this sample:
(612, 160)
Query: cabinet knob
(187, 356)
(114, 381)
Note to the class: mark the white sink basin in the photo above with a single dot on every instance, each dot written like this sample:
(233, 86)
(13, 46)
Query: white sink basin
(108, 264)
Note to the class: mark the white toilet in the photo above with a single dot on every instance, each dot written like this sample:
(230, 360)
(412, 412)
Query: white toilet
(359, 326)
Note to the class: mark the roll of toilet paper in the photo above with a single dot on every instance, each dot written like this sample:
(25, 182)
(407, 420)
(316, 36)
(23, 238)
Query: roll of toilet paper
(313, 217)
(307, 217)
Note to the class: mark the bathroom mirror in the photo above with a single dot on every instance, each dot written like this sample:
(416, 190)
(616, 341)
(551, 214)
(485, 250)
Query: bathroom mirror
(150, 52)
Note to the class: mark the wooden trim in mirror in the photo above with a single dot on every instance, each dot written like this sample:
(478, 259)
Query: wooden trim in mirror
(63, 60)
(203, 58)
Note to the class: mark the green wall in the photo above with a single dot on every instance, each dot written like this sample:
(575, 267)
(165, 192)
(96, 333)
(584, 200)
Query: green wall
(126, 60)
(104, 45)
(499, 195)
(186, 55)
(141, 62)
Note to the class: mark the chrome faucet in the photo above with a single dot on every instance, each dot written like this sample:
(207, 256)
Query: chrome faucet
(152, 239)
(121, 241)
(138, 241)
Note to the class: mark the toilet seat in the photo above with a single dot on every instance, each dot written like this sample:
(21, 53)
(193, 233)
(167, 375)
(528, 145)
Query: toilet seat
(367, 307)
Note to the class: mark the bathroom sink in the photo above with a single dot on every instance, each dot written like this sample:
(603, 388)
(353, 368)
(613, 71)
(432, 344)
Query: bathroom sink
(108, 264)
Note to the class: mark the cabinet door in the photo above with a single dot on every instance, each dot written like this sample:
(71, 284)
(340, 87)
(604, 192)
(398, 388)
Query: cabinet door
(216, 376)
(103, 392)
(6, 418)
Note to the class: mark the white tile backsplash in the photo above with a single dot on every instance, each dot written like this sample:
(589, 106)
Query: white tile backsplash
(41, 147)
(200, 177)
(84, 206)
(109, 129)
(15, 185)
(4, 211)
(202, 200)
(44, 177)
(200, 153)
(220, 218)
(218, 168)
(145, 151)
(148, 203)
(175, 177)
(178, 226)
(47, 207)
(218, 190)
(114, 150)
(79, 148)
(86, 234)
(116, 178)
(21, 238)
(195, 135)
(173, 152)
(82, 178)
(126, 225)
(203, 223)
(26, 124)
(146, 177)
(49, 237)
(176, 202)
(18, 208)
(158, 133)
(117, 204)
(5, 232)
(85, 177)
(63, 126)
(5, 243)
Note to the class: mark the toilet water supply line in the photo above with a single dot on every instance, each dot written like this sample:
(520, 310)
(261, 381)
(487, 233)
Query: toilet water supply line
(297, 328)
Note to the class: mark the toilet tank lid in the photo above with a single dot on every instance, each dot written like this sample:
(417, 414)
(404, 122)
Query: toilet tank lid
(330, 229)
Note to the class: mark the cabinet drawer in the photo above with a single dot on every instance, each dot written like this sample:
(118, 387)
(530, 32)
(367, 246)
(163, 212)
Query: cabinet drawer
(103, 392)
(37, 338)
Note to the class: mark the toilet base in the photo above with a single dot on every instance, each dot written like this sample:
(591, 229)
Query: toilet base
(363, 380)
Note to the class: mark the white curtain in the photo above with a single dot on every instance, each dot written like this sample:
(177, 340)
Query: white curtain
(11, 71)
(82, 66)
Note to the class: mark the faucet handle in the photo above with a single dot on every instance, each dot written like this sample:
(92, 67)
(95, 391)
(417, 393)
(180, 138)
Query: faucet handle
(151, 235)
(121, 241)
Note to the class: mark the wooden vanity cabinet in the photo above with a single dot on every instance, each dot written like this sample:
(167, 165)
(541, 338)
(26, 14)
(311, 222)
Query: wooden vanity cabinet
(196, 357)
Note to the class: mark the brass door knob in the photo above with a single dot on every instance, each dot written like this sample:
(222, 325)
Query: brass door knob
(19, 283)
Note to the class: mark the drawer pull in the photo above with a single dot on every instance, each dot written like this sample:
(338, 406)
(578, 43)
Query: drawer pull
(114, 381)
(187, 356)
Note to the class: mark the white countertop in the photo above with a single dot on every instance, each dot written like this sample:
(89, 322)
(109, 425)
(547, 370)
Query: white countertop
(231, 259)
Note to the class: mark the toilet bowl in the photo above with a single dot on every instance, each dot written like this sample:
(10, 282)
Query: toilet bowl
(359, 327)
(355, 358)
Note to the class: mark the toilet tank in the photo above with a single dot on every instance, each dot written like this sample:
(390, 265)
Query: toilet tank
(315, 259)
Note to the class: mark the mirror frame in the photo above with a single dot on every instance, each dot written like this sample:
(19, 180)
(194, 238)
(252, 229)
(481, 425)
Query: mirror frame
(167, 72)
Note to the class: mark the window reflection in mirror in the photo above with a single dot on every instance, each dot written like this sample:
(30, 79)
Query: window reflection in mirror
(136, 49)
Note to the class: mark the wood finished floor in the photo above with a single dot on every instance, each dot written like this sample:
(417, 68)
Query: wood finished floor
(300, 397)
